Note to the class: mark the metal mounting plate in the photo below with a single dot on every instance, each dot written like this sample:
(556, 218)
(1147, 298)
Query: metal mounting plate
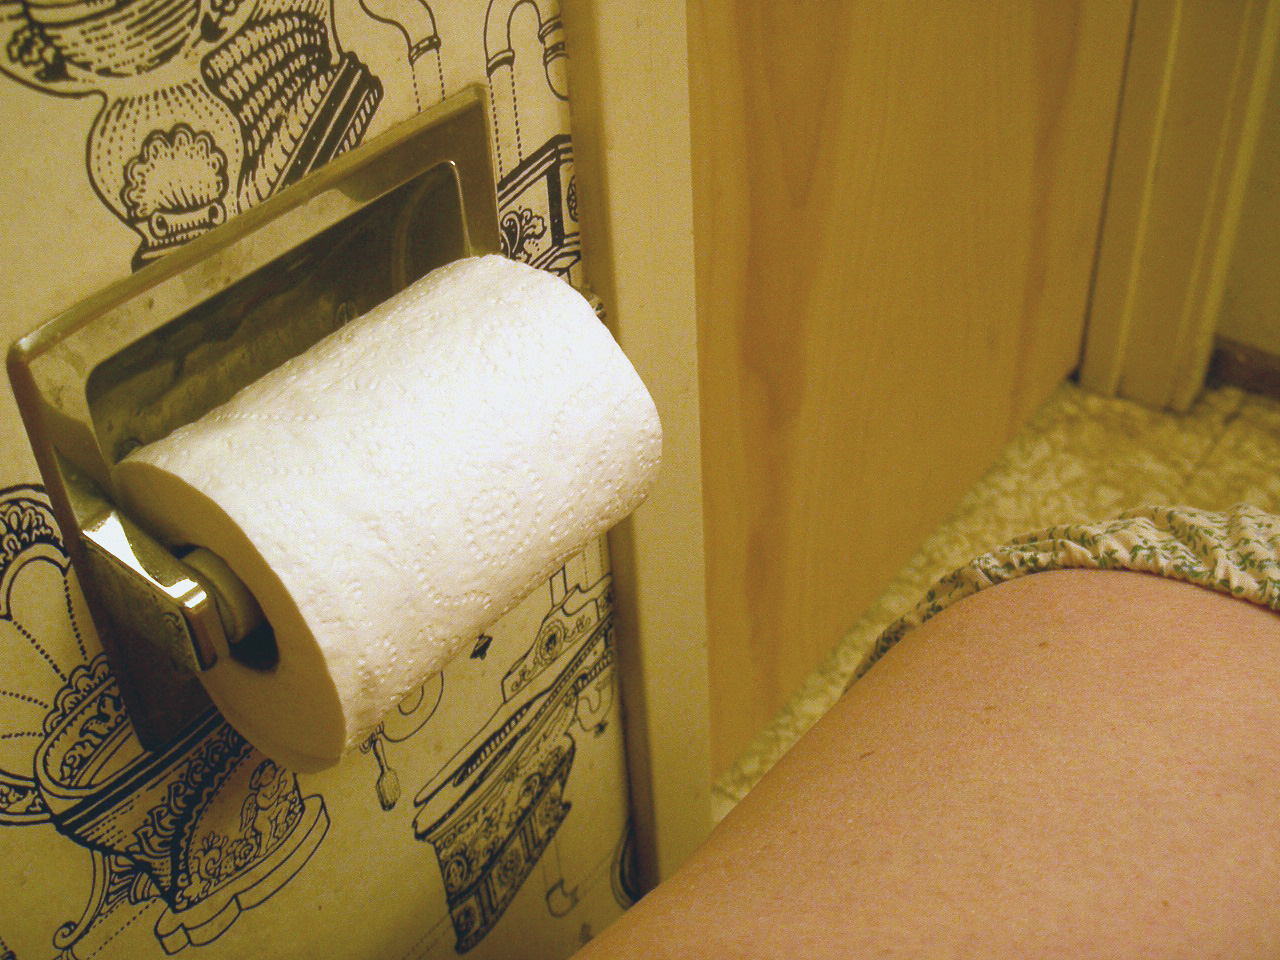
(164, 346)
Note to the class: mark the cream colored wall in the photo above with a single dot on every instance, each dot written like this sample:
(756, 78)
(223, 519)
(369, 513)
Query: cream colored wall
(1251, 302)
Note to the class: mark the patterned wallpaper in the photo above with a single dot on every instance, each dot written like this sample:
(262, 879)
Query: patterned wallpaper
(487, 815)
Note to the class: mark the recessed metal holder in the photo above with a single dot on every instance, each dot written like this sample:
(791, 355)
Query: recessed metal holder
(164, 346)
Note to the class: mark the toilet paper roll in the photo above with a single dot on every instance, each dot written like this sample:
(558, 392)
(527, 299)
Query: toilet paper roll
(393, 491)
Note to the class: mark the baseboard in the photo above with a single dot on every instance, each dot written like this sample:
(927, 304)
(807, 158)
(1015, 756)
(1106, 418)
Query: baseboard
(1240, 365)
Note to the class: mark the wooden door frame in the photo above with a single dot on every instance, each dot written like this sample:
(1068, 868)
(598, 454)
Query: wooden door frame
(628, 73)
(1194, 94)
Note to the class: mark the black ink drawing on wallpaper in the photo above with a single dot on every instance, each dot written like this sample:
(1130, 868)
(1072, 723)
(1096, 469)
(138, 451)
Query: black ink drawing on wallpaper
(401, 722)
(537, 193)
(208, 107)
(417, 26)
(492, 813)
(196, 832)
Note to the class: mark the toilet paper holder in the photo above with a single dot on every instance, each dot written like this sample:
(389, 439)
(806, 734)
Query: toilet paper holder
(169, 343)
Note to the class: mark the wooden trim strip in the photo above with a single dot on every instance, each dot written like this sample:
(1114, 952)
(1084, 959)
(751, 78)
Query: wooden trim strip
(1241, 365)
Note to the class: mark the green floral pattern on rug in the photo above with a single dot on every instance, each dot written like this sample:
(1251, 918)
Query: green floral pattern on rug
(1236, 552)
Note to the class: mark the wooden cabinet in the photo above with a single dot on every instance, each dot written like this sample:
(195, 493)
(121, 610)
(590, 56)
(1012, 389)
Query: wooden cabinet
(848, 245)
(896, 210)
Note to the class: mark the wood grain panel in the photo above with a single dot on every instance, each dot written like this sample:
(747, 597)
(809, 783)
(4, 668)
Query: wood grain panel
(895, 214)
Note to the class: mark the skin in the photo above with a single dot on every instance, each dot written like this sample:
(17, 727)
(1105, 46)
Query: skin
(1073, 764)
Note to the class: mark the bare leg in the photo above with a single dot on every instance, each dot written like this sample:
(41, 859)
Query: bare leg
(1074, 764)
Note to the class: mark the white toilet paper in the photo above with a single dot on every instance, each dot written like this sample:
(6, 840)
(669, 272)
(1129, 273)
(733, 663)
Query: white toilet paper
(393, 491)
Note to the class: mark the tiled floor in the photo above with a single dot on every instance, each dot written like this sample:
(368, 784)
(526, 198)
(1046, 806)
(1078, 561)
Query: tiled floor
(1081, 458)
